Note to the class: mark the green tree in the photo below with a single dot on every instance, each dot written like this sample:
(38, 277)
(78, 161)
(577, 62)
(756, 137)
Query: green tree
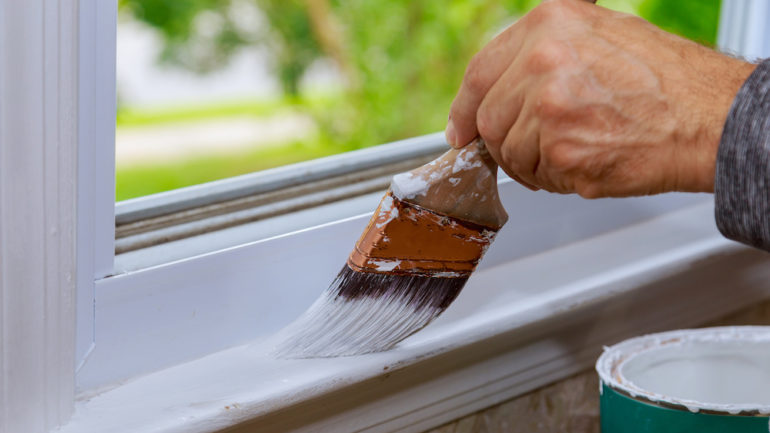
(402, 60)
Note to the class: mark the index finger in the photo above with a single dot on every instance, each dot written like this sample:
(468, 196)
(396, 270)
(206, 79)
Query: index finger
(482, 73)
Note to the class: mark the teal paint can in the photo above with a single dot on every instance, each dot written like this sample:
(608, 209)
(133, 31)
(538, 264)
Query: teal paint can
(711, 380)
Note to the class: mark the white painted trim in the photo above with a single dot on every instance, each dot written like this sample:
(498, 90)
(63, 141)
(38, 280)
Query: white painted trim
(96, 159)
(38, 163)
(743, 28)
(278, 178)
(204, 304)
(515, 327)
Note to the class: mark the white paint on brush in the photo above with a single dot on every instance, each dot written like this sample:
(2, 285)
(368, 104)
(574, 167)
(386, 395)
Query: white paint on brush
(191, 397)
(407, 185)
(335, 326)
(387, 211)
(386, 265)
(446, 274)
(463, 160)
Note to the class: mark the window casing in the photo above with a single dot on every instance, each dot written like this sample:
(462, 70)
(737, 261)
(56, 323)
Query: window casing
(159, 315)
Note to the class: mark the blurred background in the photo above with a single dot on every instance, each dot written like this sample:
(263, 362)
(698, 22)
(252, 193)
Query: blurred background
(209, 89)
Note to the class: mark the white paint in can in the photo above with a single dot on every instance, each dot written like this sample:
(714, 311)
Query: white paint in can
(723, 369)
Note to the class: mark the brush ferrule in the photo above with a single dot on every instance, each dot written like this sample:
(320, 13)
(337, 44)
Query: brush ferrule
(404, 238)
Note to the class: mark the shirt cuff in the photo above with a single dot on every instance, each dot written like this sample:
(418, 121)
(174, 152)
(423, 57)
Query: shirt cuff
(742, 178)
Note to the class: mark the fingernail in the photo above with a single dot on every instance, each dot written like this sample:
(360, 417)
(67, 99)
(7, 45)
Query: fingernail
(451, 135)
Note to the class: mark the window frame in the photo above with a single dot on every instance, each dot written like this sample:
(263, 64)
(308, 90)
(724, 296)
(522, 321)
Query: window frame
(71, 187)
(96, 105)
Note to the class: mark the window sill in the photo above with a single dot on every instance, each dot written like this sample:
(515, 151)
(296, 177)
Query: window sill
(516, 326)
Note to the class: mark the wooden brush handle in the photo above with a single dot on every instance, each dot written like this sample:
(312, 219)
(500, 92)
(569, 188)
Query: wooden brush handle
(460, 184)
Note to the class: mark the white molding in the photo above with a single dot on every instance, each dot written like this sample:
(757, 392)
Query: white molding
(96, 159)
(279, 177)
(200, 305)
(517, 326)
(743, 28)
(38, 163)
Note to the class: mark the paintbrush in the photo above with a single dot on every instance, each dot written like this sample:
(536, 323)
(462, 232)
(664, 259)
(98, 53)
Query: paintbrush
(425, 239)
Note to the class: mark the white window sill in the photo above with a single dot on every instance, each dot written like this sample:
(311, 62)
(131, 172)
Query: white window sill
(516, 326)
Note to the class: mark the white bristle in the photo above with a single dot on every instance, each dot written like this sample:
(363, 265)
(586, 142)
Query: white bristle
(365, 312)
(336, 326)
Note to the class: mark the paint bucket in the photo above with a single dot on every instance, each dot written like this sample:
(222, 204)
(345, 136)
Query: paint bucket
(702, 380)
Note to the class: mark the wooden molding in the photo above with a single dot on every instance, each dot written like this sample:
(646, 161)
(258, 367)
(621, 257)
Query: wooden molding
(38, 166)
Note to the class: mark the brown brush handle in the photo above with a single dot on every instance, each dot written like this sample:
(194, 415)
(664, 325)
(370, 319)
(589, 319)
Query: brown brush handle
(460, 184)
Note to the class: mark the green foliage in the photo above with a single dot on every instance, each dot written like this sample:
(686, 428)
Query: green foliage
(697, 20)
(294, 46)
(183, 25)
(402, 61)
(408, 58)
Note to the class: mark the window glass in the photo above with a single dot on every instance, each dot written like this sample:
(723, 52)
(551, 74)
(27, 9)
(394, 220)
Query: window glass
(209, 89)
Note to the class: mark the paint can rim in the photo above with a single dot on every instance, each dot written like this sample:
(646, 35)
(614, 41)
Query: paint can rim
(610, 363)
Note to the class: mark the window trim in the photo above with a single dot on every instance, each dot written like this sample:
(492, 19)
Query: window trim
(266, 181)
(96, 111)
(549, 326)
(119, 286)
(200, 209)
(743, 28)
(67, 208)
(38, 164)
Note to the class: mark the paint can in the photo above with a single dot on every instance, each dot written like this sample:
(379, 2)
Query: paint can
(701, 380)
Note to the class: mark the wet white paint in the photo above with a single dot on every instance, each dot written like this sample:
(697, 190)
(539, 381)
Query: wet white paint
(192, 397)
(387, 211)
(334, 327)
(720, 369)
(386, 265)
(407, 185)
(464, 158)
(726, 372)
(446, 274)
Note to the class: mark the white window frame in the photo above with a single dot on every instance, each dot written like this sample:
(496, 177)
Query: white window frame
(66, 320)
(56, 198)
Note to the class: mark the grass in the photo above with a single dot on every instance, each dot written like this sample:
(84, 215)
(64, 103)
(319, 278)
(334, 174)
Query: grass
(128, 117)
(132, 117)
(136, 181)
(152, 177)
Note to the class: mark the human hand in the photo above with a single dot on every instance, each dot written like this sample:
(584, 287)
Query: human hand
(574, 97)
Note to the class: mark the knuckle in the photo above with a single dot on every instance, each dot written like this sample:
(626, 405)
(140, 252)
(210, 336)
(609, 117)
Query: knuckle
(548, 10)
(553, 100)
(474, 75)
(546, 55)
(559, 157)
(508, 159)
(487, 125)
(543, 12)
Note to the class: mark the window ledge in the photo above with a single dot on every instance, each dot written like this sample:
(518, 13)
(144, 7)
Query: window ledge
(515, 327)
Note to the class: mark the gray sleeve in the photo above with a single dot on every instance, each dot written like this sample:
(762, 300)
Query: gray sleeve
(742, 182)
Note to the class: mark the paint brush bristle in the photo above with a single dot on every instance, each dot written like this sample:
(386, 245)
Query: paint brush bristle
(418, 250)
(364, 312)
